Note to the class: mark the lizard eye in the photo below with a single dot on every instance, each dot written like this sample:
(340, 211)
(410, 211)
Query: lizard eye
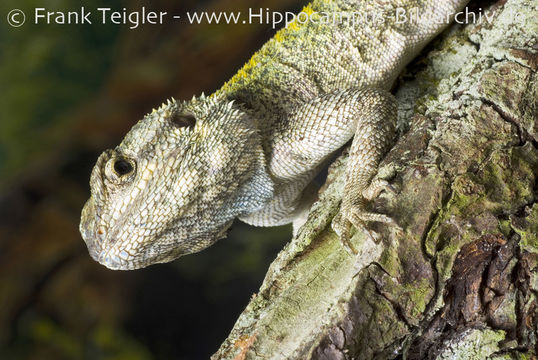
(122, 167)
(119, 169)
(183, 120)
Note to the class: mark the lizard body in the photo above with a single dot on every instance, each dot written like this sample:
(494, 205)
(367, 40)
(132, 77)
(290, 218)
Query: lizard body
(187, 170)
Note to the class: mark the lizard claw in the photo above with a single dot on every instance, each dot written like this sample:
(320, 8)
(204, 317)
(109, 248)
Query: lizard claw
(353, 217)
(342, 227)
(350, 217)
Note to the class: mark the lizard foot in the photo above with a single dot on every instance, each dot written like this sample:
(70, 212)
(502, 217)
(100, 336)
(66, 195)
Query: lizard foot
(355, 217)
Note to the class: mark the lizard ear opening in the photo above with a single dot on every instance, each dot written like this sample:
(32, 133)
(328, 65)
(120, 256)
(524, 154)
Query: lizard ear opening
(183, 120)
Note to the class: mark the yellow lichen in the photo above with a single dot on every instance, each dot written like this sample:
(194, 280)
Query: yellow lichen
(246, 71)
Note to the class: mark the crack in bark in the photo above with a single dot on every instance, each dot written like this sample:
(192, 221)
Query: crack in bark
(396, 307)
(521, 132)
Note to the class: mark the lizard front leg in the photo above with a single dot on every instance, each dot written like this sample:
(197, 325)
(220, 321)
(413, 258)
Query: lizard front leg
(374, 135)
(310, 134)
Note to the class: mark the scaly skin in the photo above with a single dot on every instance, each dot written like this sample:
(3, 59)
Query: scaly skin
(185, 171)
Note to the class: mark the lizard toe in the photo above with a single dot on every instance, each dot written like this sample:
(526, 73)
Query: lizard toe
(355, 218)
(342, 227)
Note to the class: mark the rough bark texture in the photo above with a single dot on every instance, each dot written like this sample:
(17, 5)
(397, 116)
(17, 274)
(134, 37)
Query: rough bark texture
(460, 279)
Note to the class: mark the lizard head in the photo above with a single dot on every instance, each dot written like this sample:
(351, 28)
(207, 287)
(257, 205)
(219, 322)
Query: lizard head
(174, 184)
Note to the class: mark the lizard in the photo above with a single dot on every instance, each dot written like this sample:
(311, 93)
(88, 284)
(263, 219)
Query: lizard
(251, 149)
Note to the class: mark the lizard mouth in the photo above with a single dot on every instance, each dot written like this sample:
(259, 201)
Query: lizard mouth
(119, 261)
(113, 262)
(94, 238)
(95, 235)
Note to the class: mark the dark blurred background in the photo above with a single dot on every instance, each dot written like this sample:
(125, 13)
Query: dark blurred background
(67, 92)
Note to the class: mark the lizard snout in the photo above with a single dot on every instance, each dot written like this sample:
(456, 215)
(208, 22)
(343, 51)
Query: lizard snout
(93, 234)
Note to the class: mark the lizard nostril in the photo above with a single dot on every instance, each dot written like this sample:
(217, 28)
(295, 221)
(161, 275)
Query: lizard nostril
(101, 231)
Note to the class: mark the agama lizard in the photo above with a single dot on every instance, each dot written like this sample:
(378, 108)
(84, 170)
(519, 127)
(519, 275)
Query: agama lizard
(187, 170)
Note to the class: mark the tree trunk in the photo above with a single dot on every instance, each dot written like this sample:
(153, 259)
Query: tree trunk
(459, 280)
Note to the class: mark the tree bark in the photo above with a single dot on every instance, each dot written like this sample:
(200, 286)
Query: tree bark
(459, 280)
